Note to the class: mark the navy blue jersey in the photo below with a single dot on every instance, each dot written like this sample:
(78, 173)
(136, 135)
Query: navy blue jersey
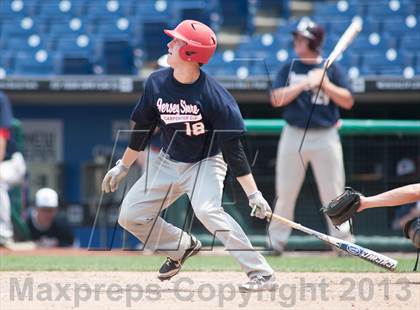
(6, 117)
(195, 119)
(297, 112)
(60, 230)
(5, 112)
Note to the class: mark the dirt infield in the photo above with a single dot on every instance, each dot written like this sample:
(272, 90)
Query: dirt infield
(206, 290)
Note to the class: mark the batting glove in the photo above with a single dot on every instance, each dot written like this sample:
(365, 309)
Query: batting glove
(259, 205)
(315, 77)
(114, 176)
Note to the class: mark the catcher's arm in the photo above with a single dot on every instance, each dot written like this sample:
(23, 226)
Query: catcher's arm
(395, 197)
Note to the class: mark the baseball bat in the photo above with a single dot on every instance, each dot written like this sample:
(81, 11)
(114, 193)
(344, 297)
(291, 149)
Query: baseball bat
(348, 247)
(347, 37)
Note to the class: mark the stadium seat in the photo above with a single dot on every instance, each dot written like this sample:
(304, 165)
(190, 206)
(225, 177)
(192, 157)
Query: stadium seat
(55, 11)
(7, 60)
(410, 42)
(199, 13)
(258, 69)
(371, 24)
(71, 28)
(342, 9)
(59, 10)
(390, 9)
(349, 59)
(381, 63)
(399, 26)
(287, 28)
(394, 70)
(277, 7)
(30, 42)
(221, 58)
(367, 70)
(75, 65)
(408, 57)
(80, 45)
(154, 40)
(373, 41)
(120, 28)
(116, 57)
(235, 14)
(21, 27)
(153, 11)
(103, 9)
(417, 70)
(38, 63)
(18, 8)
(265, 42)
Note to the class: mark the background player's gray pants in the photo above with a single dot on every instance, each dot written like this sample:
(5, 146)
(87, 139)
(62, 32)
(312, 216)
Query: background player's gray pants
(322, 148)
(6, 227)
(162, 183)
(12, 172)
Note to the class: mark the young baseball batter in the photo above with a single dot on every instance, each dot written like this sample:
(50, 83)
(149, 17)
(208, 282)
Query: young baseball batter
(295, 89)
(201, 126)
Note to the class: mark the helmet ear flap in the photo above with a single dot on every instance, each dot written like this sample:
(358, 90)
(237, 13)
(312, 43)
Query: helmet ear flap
(185, 54)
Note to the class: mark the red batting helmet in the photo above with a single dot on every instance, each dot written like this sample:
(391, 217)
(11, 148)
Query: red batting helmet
(200, 39)
(313, 32)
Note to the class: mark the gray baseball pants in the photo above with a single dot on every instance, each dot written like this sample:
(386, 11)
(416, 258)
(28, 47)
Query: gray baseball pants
(162, 183)
(321, 148)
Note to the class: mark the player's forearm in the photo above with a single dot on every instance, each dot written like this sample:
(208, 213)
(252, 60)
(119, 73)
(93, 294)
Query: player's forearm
(395, 197)
(341, 96)
(283, 96)
(248, 184)
(129, 157)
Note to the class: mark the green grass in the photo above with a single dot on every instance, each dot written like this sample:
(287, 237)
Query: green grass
(199, 263)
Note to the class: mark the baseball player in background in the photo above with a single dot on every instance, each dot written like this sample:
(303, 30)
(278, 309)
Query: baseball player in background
(295, 89)
(201, 126)
(12, 169)
(47, 227)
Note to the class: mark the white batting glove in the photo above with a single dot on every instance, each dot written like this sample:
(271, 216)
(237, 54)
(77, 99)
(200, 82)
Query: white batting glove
(315, 78)
(259, 205)
(114, 176)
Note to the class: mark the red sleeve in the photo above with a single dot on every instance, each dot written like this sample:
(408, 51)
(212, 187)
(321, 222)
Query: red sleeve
(4, 133)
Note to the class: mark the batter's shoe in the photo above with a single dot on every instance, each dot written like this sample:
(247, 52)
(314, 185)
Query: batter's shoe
(171, 267)
(259, 283)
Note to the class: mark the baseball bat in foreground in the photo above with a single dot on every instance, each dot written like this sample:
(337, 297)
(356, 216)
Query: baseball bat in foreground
(348, 36)
(351, 248)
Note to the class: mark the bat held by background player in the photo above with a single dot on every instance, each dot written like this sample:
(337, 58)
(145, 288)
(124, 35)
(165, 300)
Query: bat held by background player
(345, 40)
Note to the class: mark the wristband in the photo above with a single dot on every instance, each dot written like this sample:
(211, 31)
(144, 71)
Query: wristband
(120, 163)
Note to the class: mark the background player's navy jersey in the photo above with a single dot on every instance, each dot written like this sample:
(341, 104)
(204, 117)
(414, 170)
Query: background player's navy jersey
(5, 112)
(60, 229)
(6, 117)
(297, 112)
(194, 118)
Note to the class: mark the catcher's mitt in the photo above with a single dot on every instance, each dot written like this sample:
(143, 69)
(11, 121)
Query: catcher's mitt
(343, 208)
